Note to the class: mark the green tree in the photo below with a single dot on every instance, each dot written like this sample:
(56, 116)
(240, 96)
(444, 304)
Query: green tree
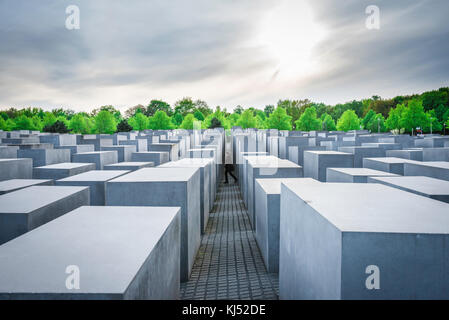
(160, 121)
(199, 115)
(348, 121)
(188, 122)
(328, 123)
(23, 123)
(48, 119)
(184, 106)
(78, 124)
(436, 126)
(308, 121)
(369, 115)
(158, 105)
(139, 122)
(57, 127)
(105, 122)
(239, 109)
(124, 126)
(269, 109)
(279, 120)
(393, 121)
(177, 119)
(376, 123)
(247, 120)
(413, 116)
(215, 123)
(4, 125)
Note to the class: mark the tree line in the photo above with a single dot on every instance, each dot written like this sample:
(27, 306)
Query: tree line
(428, 111)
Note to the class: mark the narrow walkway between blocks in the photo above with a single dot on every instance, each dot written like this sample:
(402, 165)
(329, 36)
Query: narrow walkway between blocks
(229, 264)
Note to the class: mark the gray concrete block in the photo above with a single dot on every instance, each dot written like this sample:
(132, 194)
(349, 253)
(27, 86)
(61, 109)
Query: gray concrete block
(95, 180)
(140, 144)
(120, 252)
(8, 152)
(123, 152)
(345, 232)
(387, 164)
(100, 158)
(177, 187)
(360, 152)
(151, 156)
(435, 154)
(433, 169)
(16, 169)
(97, 141)
(61, 170)
(29, 208)
(409, 154)
(354, 175)
(317, 162)
(131, 166)
(206, 192)
(8, 186)
(268, 192)
(424, 186)
(78, 148)
(59, 139)
(171, 148)
(45, 157)
(385, 146)
(267, 167)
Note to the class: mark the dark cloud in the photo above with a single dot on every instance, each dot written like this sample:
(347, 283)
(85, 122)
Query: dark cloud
(126, 52)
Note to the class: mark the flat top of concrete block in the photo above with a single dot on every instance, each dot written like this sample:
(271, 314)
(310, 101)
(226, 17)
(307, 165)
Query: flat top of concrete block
(15, 159)
(374, 207)
(128, 164)
(96, 175)
(201, 161)
(151, 152)
(158, 175)
(325, 152)
(426, 185)
(20, 183)
(273, 186)
(202, 149)
(66, 165)
(392, 160)
(31, 198)
(178, 164)
(94, 152)
(164, 143)
(363, 172)
(250, 153)
(118, 147)
(352, 148)
(109, 245)
(379, 143)
(434, 164)
(256, 162)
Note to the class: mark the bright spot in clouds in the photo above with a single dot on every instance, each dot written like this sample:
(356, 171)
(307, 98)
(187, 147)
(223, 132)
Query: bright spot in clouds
(289, 33)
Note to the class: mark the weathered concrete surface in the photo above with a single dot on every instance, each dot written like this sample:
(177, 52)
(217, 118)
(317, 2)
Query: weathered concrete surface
(433, 169)
(44, 157)
(177, 187)
(387, 164)
(151, 156)
(120, 252)
(8, 186)
(171, 148)
(29, 208)
(8, 152)
(16, 169)
(343, 229)
(100, 158)
(61, 170)
(131, 166)
(317, 162)
(140, 144)
(95, 180)
(354, 175)
(81, 148)
(435, 154)
(123, 152)
(268, 167)
(424, 186)
(363, 152)
(205, 186)
(268, 193)
(409, 154)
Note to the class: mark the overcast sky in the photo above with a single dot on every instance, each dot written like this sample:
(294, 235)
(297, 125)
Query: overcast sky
(226, 52)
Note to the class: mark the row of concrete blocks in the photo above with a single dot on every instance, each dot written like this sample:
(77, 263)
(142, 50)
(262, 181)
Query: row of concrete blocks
(161, 186)
(325, 239)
